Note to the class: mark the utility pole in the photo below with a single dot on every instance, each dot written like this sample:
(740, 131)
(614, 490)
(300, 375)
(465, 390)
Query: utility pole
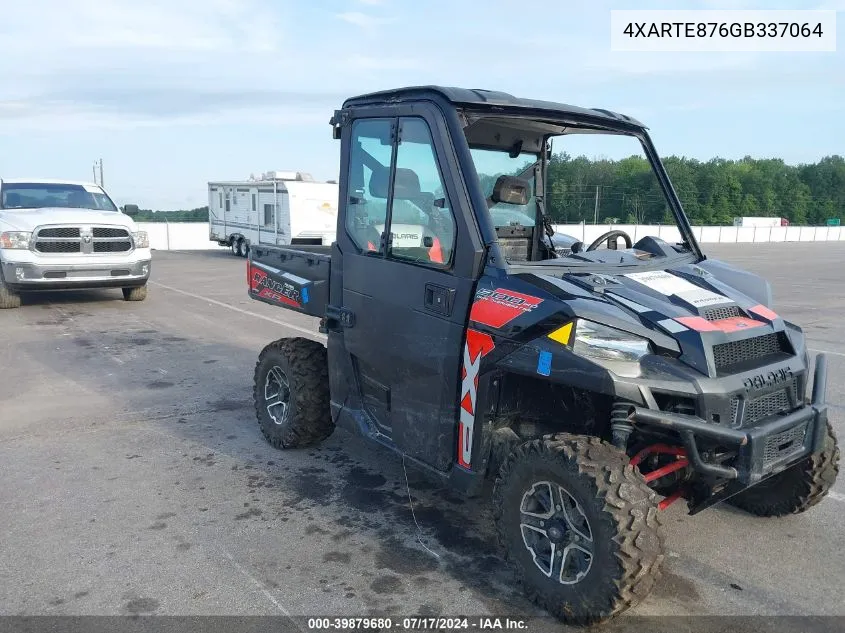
(596, 212)
(98, 163)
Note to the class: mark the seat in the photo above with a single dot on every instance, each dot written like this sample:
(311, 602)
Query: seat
(406, 186)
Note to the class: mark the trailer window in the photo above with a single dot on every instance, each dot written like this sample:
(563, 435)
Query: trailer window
(269, 216)
(221, 199)
(254, 202)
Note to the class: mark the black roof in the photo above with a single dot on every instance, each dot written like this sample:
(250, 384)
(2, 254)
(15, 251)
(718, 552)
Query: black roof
(477, 98)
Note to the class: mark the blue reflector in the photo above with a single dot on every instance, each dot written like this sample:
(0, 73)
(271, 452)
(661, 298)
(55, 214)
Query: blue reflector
(305, 295)
(544, 363)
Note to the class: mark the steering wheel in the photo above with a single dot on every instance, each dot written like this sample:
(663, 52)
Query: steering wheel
(607, 236)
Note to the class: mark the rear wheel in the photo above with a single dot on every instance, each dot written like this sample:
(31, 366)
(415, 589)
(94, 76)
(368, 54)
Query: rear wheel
(8, 297)
(291, 393)
(234, 246)
(797, 488)
(139, 293)
(579, 525)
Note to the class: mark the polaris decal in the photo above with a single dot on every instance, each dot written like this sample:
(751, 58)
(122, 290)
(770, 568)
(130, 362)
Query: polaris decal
(670, 285)
(499, 307)
(476, 347)
(266, 287)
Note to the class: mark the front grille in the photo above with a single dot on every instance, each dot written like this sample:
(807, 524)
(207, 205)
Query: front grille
(62, 231)
(770, 404)
(58, 247)
(734, 353)
(784, 444)
(112, 247)
(82, 239)
(104, 231)
(762, 407)
(723, 312)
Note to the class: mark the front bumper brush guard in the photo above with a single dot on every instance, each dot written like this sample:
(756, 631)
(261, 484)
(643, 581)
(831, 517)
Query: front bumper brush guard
(689, 427)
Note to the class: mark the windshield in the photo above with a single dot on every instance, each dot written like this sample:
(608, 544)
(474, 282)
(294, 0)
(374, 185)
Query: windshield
(43, 195)
(596, 181)
(490, 164)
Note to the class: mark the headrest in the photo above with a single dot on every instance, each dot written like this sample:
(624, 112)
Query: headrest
(405, 187)
(510, 190)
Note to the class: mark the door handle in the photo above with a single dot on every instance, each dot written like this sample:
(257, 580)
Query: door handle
(439, 299)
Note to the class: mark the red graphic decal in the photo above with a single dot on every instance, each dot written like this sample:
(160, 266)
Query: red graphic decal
(477, 346)
(735, 324)
(697, 323)
(499, 307)
(267, 288)
(763, 311)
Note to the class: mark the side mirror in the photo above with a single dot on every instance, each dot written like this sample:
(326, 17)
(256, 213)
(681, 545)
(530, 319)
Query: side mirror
(131, 209)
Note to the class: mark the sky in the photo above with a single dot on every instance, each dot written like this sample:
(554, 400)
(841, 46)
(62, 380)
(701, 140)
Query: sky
(172, 94)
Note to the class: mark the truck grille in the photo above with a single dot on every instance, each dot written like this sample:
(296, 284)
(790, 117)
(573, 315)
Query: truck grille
(759, 348)
(62, 231)
(105, 231)
(784, 444)
(82, 239)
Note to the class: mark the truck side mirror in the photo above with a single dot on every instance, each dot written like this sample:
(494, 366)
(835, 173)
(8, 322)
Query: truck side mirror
(131, 209)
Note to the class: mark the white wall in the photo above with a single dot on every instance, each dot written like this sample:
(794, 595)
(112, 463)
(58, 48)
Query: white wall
(187, 236)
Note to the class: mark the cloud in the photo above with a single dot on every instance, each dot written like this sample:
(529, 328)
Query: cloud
(362, 20)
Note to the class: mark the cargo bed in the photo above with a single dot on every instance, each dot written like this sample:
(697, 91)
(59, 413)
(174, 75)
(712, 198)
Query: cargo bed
(296, 278)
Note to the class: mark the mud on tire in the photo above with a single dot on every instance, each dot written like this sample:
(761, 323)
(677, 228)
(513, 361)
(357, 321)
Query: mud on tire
(797, 488)
(621, 514)
(306, 418)
(8, 297)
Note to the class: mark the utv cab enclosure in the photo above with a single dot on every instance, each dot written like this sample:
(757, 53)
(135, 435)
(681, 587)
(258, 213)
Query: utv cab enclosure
(594, 387)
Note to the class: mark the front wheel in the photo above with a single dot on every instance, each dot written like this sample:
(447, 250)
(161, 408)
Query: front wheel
(8, 297)
(796, 489)
(579, 525)
(291, 393)
(139, 293)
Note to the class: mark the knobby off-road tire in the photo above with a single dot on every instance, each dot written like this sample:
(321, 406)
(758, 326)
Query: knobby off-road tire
(139, 293)
(797, 488)
(622, 517)
(306, 420)
(8, 297)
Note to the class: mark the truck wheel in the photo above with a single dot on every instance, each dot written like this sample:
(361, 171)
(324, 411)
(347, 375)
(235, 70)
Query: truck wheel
(139, 293)
(291, 393)
(8, 297)
(579, 525)
(234, 246)
(797, 488)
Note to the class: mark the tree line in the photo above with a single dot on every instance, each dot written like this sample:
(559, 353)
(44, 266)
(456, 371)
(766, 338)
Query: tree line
(200, 214)
(712, 192)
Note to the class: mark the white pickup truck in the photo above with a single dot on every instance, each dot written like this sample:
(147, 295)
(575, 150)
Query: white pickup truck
(62, 235)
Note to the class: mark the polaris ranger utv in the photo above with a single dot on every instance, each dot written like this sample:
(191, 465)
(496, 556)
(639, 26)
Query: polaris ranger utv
(594, 387)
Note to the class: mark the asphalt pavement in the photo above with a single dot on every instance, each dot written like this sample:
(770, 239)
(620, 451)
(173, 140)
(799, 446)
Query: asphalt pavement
(135, 479)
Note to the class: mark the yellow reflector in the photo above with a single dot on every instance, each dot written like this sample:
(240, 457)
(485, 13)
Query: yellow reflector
(562, 334)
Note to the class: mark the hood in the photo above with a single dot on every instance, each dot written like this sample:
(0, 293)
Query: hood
(28, 219)
(692, 311)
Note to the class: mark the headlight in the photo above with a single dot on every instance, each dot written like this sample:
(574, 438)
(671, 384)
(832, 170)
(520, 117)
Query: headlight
(601, 342)
(15, 239)
(142, 240)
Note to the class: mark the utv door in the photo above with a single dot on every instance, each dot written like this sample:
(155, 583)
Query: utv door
(404, 279)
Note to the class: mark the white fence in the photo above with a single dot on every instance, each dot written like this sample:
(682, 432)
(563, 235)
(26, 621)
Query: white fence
(186, 236)
(711, 234)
